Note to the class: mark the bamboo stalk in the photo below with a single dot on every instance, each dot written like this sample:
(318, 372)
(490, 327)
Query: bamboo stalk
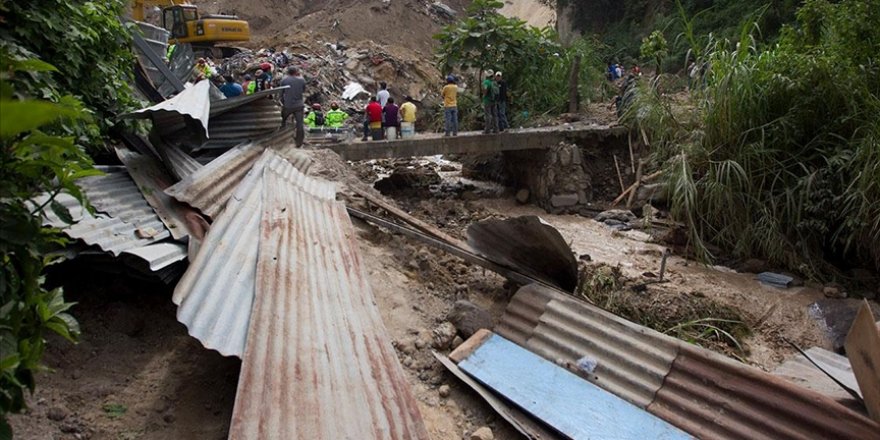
(619, 176)
(632, 194)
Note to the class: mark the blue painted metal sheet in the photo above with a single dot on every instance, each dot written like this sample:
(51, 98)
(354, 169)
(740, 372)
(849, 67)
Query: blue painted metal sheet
(571, 405)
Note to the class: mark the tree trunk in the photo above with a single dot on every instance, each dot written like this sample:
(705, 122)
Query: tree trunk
(574, 98)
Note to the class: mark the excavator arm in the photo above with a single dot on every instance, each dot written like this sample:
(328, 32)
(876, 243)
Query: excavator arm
(137, 10)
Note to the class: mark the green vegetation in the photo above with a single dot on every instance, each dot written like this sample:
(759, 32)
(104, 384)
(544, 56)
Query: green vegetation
(691, 317)
(64, 71)
(622, 25)
(535, 65)
(656, 48)
(90, 47)
(776, 153)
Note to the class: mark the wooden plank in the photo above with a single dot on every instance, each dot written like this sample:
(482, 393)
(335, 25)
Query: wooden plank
(863, 349)
(520, 421)
(410, 220)
(468, 347)
(572, 406)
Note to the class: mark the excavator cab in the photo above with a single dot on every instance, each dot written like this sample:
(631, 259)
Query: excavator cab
(175, 19)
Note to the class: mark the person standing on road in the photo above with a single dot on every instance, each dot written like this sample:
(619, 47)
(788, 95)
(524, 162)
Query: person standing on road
(391, 115)
(407, 117)
(450, 106)
(372, 118)
(490, 103)
(502, 102)
(292, 102)
(383, 94)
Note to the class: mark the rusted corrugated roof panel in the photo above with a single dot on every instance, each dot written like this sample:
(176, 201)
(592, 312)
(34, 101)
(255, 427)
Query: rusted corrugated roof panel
(215, 294)
(704, 393)
(209, 188)
(631, 360)
(800, 371)
(318, 361)
(528, 244)
(714, 397)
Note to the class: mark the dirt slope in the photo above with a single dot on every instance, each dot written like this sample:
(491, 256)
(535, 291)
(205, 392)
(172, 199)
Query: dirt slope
(406, 23)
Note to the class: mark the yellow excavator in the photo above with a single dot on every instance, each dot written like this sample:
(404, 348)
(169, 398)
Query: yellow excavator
(187, 26)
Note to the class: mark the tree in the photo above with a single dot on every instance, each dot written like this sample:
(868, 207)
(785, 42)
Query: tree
(655, 47)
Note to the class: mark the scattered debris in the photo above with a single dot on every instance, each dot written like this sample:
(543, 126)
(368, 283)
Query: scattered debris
(528, 244)
(863, 349)
(775, 279)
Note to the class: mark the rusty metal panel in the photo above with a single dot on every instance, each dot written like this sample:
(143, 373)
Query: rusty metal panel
(706, 394)
(714, 397)
(209, 188)
(631, 360)
(216, 292)
(528, 244)
(318, 361)
(179, 163)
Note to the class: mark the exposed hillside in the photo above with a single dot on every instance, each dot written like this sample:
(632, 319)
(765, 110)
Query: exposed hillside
(405, 23)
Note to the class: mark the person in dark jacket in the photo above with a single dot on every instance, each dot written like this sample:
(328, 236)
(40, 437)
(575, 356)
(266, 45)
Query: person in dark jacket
(501, 102)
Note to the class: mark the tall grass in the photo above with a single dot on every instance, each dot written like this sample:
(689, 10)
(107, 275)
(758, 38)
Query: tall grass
(778, 155)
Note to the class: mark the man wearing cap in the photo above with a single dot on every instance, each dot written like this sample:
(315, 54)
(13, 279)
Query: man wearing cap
(502, 102)
(490, 103)
(450, 106)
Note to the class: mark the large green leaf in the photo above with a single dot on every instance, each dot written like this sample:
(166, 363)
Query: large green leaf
(18, 117)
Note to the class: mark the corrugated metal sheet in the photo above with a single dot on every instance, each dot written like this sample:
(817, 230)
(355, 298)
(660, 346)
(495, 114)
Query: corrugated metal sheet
(529, 245)
(123, 219)
(714, 397)
(246, 122)
(152, 179)
(215, 294)
(631, 360)
(704, 393)
(318, 361)
(210, 187)
(193, 103)
(178, 163)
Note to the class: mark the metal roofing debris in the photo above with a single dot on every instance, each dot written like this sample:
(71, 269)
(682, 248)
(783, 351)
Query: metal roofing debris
(176, 161)
(318, 361)
(210, 187)
(775, 279)
(247, 122)
(800, 371)
(193, 103)
(704, 393)
(152, 179)
(123, 219)
(215, 294)
(151, 49)
(520, 421)
(529, 244)
(631, 360)
(574, 407)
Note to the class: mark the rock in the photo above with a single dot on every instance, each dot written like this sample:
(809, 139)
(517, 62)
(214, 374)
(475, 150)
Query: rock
(443, 335)
(56, 413)
(654, 193)
(483, 433)
(457, 341)
(443, 391)
(621, 215)
(468, 317)
(752, 265)
(406, 347)
(562, 200)
(834, 291)
(420, 344)
(168, 418)
(613, 222)
(522, 196)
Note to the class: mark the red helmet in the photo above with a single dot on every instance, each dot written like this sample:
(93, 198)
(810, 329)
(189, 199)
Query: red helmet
(316, 106)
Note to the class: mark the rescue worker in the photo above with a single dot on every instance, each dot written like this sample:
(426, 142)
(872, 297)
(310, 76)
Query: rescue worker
(249, 86)
(203, 70)
(335, 117)
(316, 117)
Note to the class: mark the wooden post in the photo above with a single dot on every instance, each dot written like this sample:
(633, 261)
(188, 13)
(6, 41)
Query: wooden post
(574, 98)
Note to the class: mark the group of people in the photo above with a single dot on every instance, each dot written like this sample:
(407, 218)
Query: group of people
(495, 102)
(384, 119)
(616, 71)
